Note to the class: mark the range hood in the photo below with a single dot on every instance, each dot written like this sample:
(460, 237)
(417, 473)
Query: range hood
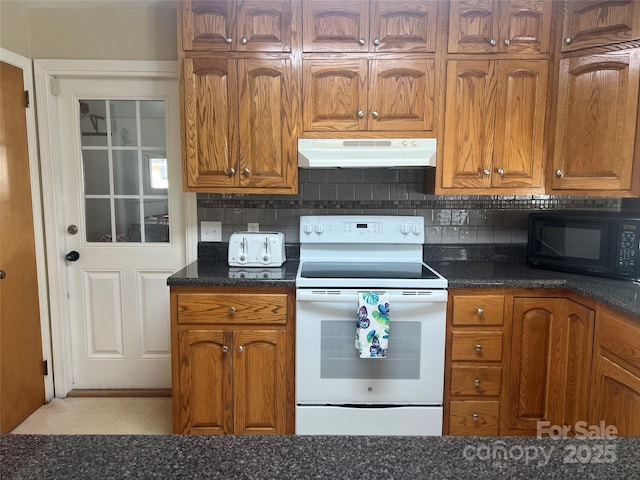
(366, 153)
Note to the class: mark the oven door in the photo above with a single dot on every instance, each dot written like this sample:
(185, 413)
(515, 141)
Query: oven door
(329, 369)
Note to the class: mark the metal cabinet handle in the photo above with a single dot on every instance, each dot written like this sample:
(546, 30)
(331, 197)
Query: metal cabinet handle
(478, 347)
(225, 349)
(500, 171)
(567, 40)
(376, 42)
(476, 382)
(228, 40)
(243, 40)
(486, 171)
(481, 311)
(232, 309)
(361, 42)
(3, 274)
(476, 417)
(375, 114)
(558, 173)
(493, 42)
(507, 42)
(246, 171)
(360, 114)
(232, 172)
(240, 349)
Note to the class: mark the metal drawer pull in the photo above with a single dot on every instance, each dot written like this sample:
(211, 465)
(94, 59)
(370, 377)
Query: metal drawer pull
(360, 114)
(486, 171)
(558, 173)
(375, 114)
(493, 42)
(232, 172)
(246, 171)
(228, 40)
(567, 40)
(240, 349)
(376, 42)
(476, 417)
(478, 347)
(361, 42)
(243, 40)
(481, 311)
(476, 382)
(225, 349)
(232, 309)
(507, 42)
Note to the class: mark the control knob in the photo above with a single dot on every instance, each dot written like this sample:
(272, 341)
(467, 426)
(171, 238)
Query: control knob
(416, 229)
(308, 228)
(404, 228)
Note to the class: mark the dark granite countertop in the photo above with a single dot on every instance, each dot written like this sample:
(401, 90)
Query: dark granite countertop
(306, 457)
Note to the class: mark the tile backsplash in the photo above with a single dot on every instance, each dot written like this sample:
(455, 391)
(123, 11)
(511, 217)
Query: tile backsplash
(449, 219)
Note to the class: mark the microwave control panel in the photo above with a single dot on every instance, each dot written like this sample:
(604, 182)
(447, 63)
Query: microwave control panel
(628, 248)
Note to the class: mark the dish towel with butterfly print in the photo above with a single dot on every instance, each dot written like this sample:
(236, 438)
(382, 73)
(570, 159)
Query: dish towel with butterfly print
(372, 324)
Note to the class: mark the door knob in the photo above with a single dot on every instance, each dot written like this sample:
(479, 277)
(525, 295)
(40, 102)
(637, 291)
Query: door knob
(72, 229)
(72, 256)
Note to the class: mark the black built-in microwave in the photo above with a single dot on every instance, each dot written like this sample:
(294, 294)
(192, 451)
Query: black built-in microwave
(593, 243)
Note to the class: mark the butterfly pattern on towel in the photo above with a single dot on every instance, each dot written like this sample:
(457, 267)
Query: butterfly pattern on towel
(372, 334)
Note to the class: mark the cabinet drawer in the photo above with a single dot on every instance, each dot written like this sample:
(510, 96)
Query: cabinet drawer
(475, 380)
(477, 346)
(232, 308)
(619, 337)
(478, 309)
(473, 418)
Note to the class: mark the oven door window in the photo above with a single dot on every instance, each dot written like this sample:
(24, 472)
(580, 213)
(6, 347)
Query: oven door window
(340, 359)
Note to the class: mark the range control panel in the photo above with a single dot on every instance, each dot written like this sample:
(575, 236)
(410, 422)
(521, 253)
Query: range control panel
(362, 229)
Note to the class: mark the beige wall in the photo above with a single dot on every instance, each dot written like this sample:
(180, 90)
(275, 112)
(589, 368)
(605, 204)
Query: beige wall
(14, 28)
(89, 33)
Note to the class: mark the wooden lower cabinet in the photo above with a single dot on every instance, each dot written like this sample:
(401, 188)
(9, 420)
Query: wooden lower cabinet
(474, 355)
(615, 388)
(232, 375)
(548, 365)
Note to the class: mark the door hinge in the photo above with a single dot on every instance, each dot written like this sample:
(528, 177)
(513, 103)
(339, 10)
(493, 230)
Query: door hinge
(27, 103)
(45, 366)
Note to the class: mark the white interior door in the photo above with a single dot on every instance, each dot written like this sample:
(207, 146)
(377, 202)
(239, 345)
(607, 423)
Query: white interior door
(123, 226)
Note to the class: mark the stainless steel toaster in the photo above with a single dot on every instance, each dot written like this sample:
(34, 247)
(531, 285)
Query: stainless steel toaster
(256, 249)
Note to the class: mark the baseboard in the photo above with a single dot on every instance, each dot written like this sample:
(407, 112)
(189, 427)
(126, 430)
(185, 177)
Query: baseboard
(151, 392)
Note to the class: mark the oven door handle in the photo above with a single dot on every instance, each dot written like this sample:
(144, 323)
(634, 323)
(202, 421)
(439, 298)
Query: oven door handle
(408, 296)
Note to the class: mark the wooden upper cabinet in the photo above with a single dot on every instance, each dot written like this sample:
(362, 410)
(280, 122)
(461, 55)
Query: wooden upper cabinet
(335, 26)
(375, 95)
(239, 125)
(402, 26)
(268, 125)
(209, 122)
(498, 26)
(494, 124)
(518, 156)
(369, 26)
(597, 110)
(242, 25)
(599, 22)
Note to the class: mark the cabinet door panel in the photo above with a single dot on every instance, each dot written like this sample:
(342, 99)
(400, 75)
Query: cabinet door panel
(520, 120)
(615, 397)
(529, 370)
(469, 123)
(597, 110)
(525, 26)
(403, 26)
(599, 22)
(260, 381)
(334, 93)
(264, 25)
(473, 24)
(267, 128)
(335, 26)
(210, 118)
(206, 388)
(401, 95)
(208, 24)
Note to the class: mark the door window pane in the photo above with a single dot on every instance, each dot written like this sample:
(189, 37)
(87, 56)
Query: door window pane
(98, 219)
(125, 185)
(125, 172)
(124, 130)
(96, 172)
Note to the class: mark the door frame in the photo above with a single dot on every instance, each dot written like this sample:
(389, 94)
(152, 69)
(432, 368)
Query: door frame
(47, 73)
(24, 63)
